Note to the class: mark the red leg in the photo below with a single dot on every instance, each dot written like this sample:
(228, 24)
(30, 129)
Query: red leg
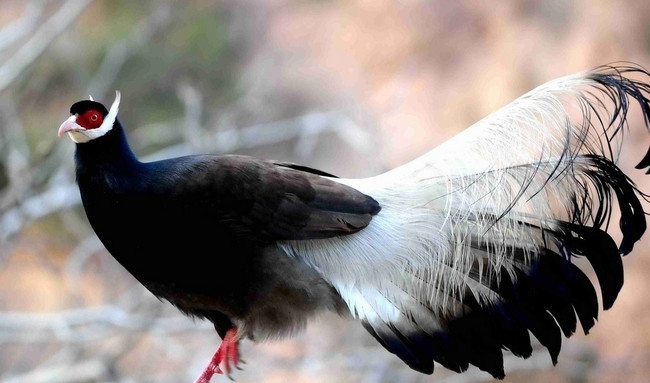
(227, 353)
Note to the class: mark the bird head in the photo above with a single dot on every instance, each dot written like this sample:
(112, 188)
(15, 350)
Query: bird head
(90, 120)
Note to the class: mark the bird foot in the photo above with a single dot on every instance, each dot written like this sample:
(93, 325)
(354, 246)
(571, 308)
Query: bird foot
(227, 354)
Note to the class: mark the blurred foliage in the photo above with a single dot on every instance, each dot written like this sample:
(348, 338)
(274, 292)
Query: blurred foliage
(193, 47)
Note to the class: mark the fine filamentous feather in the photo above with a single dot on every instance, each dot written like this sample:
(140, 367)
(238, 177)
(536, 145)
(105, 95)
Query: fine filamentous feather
(474, 245)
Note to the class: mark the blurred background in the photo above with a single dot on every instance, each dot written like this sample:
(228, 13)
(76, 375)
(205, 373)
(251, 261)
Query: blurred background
(353, 87)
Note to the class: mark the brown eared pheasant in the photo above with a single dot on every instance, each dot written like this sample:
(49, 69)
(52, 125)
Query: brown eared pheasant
(455, 257)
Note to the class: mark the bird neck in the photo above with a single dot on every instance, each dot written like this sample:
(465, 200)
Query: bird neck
(108, 151)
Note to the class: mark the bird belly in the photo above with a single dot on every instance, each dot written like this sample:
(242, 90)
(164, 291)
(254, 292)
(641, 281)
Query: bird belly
(266, 294)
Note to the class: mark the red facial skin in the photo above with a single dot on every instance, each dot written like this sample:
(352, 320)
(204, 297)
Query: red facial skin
(90, 119)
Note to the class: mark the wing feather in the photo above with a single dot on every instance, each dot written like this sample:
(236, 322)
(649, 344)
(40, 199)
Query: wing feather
(480, 233)
(261, 202)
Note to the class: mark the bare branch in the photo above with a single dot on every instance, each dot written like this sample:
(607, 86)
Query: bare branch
(230, 139)
(108, 315)
(56, 198)
(41, 39)
(193, 104)
(86, 370)
(16, 151)
(78, 257)
(23, 26)
(117, 55)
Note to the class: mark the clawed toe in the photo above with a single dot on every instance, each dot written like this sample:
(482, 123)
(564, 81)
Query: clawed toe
(227, 356)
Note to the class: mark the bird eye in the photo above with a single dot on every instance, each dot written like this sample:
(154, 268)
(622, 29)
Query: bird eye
(90, 119)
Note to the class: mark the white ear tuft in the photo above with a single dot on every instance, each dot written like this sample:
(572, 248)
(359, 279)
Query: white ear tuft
(116, 104)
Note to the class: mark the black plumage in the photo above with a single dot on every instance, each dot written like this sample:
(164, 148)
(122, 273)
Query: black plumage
(199, 231)
(162, 219)
(257, 246)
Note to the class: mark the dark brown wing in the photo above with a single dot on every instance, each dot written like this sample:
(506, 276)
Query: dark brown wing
(263, 202)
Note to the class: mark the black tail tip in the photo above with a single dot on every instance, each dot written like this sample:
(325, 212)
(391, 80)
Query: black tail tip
(645, 162)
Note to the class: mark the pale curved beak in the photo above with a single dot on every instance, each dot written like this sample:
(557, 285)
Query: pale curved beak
(69, 125)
